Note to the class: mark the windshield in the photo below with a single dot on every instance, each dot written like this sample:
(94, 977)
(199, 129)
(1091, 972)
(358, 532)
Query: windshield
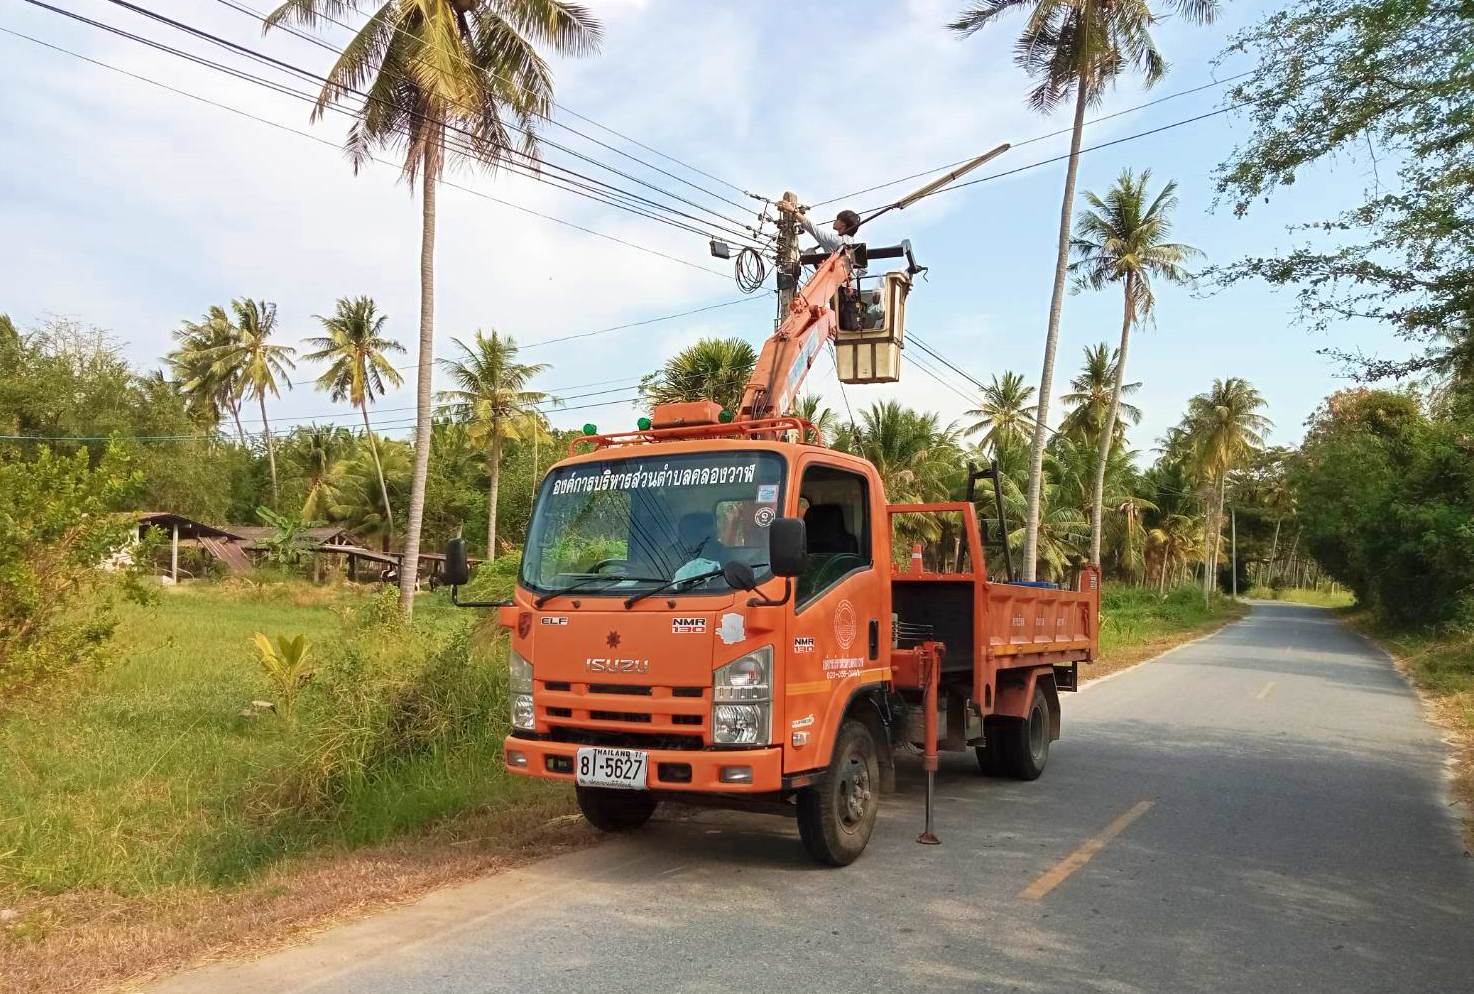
(621, 525)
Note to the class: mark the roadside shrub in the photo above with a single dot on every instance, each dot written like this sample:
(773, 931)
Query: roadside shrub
(56, 533)
(386, 696)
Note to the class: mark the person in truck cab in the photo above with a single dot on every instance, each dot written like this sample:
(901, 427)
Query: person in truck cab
(696, 542)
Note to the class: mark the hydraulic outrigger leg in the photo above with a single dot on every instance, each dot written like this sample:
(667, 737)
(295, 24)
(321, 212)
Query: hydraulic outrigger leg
(931, 666)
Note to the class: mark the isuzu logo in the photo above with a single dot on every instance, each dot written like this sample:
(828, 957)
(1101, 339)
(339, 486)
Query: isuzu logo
(595, 664)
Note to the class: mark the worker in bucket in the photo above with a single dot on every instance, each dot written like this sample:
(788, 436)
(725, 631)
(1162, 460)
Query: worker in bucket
(846, 223)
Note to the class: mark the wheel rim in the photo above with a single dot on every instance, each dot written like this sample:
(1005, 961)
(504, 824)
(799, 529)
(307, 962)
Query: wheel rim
(1037, 741)
(855, 792)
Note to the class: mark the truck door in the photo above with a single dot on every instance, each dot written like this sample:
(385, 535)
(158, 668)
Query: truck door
(840, 633)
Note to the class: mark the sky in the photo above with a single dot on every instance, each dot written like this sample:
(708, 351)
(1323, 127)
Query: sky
(133, 208)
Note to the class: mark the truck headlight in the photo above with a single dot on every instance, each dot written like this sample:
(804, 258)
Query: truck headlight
(742, 702)
(519, 673)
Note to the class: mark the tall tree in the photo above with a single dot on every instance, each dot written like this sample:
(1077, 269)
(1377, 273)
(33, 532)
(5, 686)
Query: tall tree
(715, 369)
(260, 363)
(1389, 82)
(211, 387)
(491, 394)
(1002, 416)
(1073, 49)
(435, 78)
(358, 368)
(1122, 238)
(1223, 428)
(1089, 399)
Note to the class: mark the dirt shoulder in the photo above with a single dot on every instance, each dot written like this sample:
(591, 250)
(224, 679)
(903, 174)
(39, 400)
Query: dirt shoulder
(88, 940)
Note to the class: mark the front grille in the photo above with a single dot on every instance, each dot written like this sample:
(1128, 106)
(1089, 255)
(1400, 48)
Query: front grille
(630, 716)
(618, 714)
(616, 688)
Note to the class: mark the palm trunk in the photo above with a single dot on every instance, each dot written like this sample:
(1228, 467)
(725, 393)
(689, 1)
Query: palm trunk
(270, 448)
(410, 563)
(1210, 576)
(379, 468)
(1107, 438)
(1051, 338)
(235, 412)
(494, 476)
(1273, 551)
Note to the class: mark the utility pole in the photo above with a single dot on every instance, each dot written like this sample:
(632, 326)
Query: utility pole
(1233, 568)
(787, 258)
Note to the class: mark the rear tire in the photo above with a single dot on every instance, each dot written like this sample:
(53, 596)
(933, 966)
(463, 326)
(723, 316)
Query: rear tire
(836, 817)
(614, 810)
(991, 755)
(1026, 741)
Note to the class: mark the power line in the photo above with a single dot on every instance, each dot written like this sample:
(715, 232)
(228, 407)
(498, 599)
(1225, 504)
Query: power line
(397, 424)
(258, 15)
(629, 202)
(1039, 138)
(471, 136)
(384, 162)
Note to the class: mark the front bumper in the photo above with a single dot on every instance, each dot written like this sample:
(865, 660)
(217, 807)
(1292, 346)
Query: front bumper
(670, 769)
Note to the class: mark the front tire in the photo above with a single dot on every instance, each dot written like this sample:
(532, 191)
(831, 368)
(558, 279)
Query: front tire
(614, 810)
(836, 817)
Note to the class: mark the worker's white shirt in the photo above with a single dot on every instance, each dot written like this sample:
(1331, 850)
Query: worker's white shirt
(828, 240)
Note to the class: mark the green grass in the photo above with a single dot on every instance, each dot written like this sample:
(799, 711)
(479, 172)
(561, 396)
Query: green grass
(1303, 595)
(147, 776)
(1133, 617)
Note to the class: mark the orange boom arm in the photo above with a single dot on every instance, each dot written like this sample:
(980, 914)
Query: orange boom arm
(792, 349)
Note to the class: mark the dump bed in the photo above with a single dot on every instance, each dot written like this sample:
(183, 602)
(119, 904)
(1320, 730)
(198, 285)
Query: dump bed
(989, 624)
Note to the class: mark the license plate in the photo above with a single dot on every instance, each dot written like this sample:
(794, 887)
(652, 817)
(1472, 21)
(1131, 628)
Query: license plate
(598, 767)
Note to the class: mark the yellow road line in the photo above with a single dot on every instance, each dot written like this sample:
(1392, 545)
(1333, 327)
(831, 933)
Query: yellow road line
(1265, 691)
(1056, 874)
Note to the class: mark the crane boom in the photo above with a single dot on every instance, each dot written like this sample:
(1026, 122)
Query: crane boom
(791, 349)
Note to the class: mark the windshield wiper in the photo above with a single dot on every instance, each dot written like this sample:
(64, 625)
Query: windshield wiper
(634, 599)
(589, 581)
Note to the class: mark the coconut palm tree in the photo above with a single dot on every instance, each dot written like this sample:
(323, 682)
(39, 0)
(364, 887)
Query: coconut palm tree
(1223, 427)
(353, 497)
(313, 455)
(1089, 399)
(1073, 49)
(491, 394)
(258, 363)
(358, 368)
(1122, 238)
(715, 369)
(810, 408)
(435, 78)
(211, 388)
(1002, 416)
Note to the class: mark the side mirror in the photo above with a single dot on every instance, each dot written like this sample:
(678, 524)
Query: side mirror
(788, 546)
(457, 571)
(739, 575)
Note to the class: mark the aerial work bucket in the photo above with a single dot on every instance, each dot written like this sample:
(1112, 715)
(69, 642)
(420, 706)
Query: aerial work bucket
(872, 354)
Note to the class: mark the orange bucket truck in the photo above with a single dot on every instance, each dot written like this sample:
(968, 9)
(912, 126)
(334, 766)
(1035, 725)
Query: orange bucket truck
(715, 609)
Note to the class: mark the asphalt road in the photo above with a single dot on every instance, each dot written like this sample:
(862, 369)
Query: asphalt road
(1261, 811)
